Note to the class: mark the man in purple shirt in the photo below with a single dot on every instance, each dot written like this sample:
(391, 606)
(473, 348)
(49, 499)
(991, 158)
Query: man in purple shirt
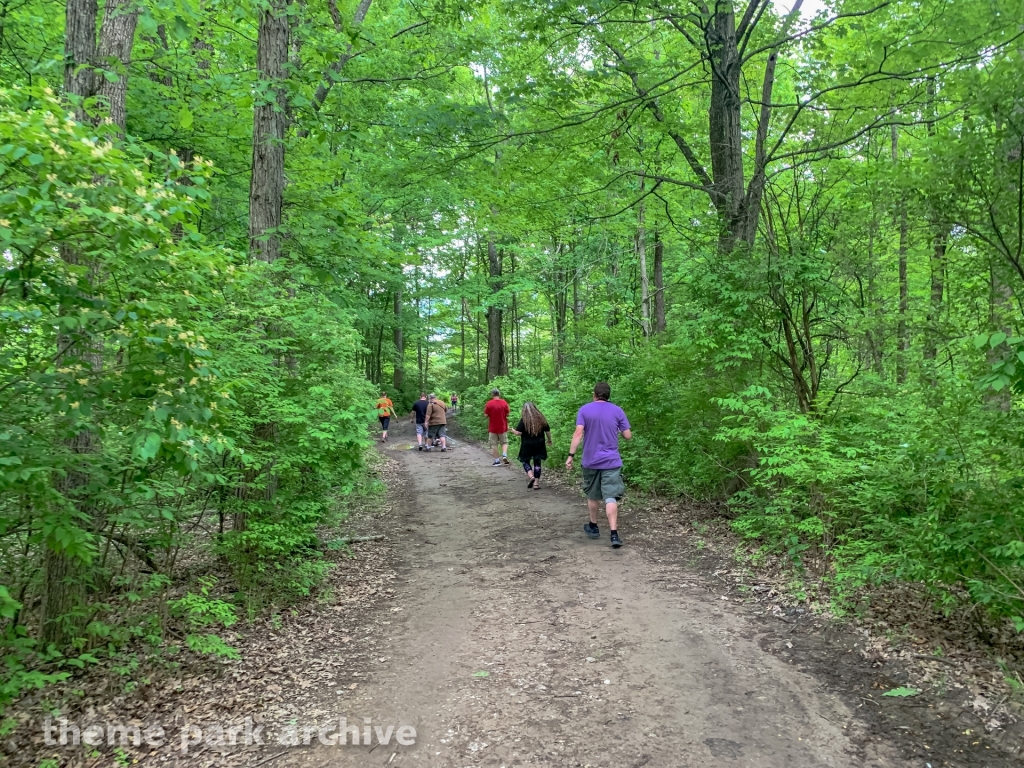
(601, 422)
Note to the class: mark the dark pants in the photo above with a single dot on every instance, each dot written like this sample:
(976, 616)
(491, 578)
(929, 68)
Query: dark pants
(536, 467)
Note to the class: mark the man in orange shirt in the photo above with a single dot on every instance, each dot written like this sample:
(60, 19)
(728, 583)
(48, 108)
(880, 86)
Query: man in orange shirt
(496, 412)
(385, 410)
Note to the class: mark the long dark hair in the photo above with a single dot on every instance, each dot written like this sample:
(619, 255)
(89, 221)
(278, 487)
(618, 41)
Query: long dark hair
(533, 419)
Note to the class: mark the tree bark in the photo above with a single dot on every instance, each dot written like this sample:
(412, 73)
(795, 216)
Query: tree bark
(270, 119)
(640, 246)
(937, 263)
(938, 276)
(724, 124)
(117, 38)
(79, 52)
(496, 363)
(1000, 314)
(463, 311)
(659, 284)
(902, 335)
(398, 377)
(64, 588)
(266, 187)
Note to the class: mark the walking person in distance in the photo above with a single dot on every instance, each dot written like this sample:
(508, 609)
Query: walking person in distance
(385, 410)
(535, 436)
(599, 424)
(497, 411)
(419, 415)
(437, 423)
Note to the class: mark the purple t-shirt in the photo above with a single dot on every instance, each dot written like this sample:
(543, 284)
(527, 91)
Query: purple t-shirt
(601, 421)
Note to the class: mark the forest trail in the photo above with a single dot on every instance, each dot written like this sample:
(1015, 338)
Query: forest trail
(589, 659)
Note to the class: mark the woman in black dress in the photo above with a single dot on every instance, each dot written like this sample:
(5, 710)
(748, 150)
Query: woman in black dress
(536, 436)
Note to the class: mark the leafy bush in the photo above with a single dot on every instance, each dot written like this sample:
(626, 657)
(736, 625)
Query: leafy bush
(920, 493)
(157, 393)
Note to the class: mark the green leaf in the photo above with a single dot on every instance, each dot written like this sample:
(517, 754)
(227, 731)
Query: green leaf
(185, 118)
(481, 674)
(147, 445)
(902, 692)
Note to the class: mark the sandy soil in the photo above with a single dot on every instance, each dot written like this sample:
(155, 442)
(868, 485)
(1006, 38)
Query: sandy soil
(516, 640)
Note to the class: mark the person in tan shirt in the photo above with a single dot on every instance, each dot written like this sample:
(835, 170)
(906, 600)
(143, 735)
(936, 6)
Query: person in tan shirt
(437, 423)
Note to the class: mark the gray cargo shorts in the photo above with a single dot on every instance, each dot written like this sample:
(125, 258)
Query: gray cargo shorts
(603, 484)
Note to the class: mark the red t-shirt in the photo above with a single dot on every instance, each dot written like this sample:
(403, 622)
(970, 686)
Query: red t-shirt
(496, 412)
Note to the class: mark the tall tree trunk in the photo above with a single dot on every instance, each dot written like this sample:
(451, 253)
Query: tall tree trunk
(640, 245)
(513, 361)
(463, 311)
(937, 263)
(426, 351)
(938, 277)
(398, 377)
(462, 338)
(270, 119)
(79, 52)
(496, 363)
(379, 357)
(1000, 316)
(874, 335)
(64, 588)
(659, 283)
(64, 583)
(577, 302)
(116, 41)
(613, 289)
(517, 320)
(902, 334)
(266, 188)
(478, 370)
(419, 364)
(724, 123)
(559, 315)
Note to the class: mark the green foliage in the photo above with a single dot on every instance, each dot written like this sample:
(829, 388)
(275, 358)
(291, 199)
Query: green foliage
(918, 493)
(200, 612)
(167, 398)
(140, 364)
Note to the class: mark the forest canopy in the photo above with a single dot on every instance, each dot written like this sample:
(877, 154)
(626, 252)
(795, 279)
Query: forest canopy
(790, 236)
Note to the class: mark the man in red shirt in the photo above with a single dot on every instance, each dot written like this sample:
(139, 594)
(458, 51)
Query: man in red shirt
(496, 412)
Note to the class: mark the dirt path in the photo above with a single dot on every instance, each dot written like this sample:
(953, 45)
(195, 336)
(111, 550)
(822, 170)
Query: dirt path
(518, 641)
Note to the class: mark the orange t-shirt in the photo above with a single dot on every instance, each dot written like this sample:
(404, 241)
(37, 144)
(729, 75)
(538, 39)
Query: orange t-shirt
(385, 407)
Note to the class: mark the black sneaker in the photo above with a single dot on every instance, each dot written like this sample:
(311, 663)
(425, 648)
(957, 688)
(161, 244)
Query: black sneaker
(419, 447)
(616, 541)
(592, 530)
